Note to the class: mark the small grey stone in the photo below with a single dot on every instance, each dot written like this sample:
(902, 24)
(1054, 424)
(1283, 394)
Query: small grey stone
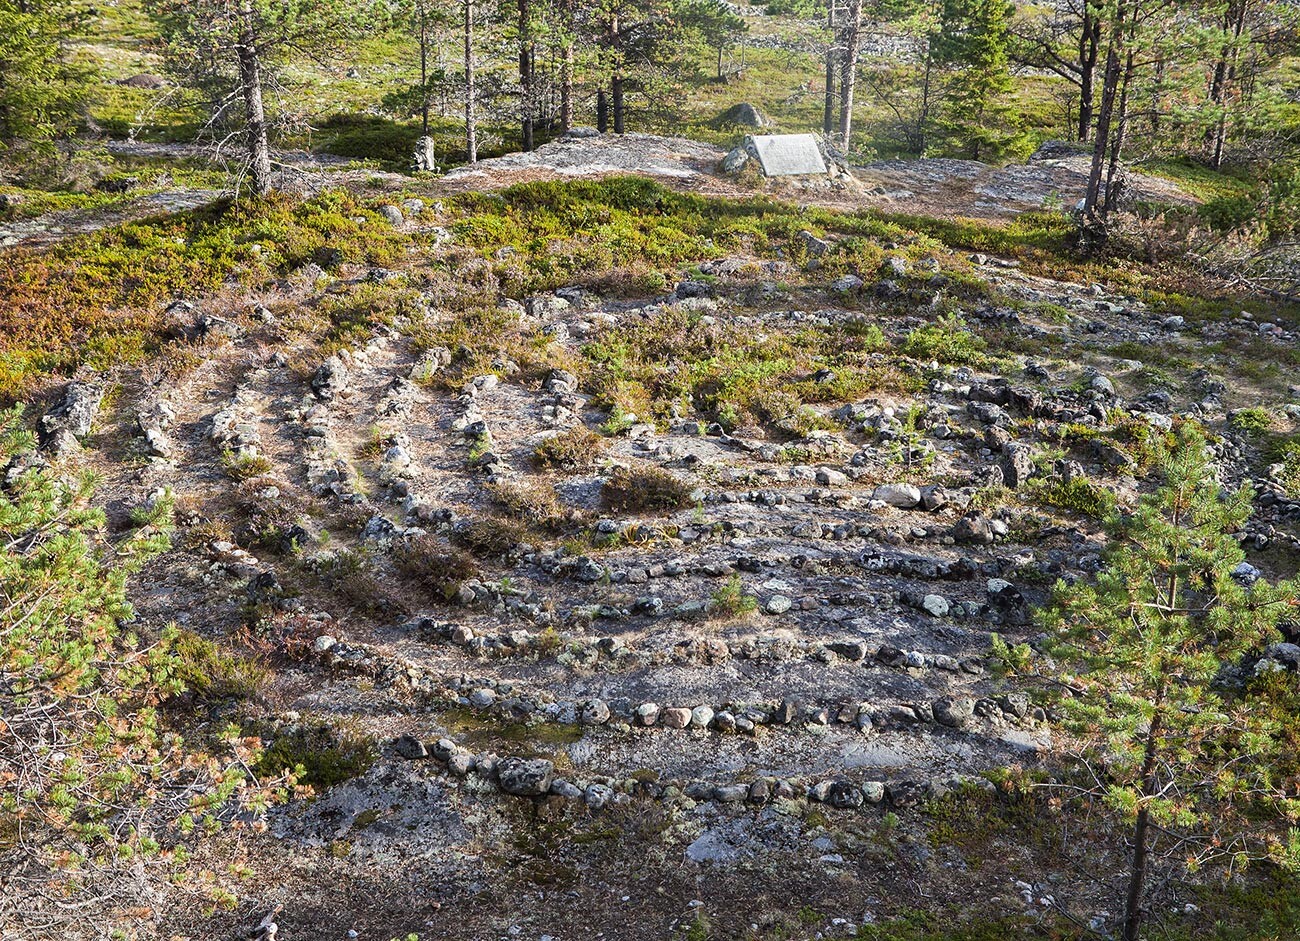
(955, 713)
(676, 718)
(409, 747)
(778, 604)
(524, 776)
(935, 605)
(701, 716)
(844, 795)
(562, 788)
(873, 791)
(594, 712)
(730, 793)
(903, 496)
(598, 795)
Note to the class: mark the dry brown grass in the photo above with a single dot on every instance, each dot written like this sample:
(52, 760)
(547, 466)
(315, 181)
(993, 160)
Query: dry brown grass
(643, 487)
(576, 449)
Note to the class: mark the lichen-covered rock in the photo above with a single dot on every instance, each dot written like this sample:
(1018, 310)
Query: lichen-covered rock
(525, 777)
(62, 428)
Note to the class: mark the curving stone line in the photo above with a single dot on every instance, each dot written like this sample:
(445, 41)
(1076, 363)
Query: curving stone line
(536, 778)
(583, 651)
(500, 699)
(233, 429)
(153, 421)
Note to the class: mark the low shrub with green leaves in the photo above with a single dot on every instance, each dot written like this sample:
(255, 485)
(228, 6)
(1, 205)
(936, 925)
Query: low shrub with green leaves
(947, 342)
(730, 601)
(211, 672)
(1256, 420)
(575, 449)
(1078, 495)
(97, 299)
(318, 755)
(729, 373)
(439, 568)
(493, 538)
(532, 502)
(1287, 453)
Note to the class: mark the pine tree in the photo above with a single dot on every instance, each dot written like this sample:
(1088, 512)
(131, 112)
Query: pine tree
(1175, 746)
(90, 773)
(649, 48)
(233, 52)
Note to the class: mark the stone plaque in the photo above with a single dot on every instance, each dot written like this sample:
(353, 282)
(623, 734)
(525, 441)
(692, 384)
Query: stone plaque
(789, 154)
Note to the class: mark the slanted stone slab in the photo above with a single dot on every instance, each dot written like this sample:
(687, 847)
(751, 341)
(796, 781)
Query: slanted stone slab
(788, 154)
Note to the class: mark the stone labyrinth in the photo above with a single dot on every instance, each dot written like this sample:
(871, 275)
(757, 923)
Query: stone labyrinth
(679, 613)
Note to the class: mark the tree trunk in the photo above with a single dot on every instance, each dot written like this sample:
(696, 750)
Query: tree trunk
(1225, 72)
(616, 94)
(1101, 139)
(1138, 860)
(616, 81)
(1089, 44)
(424, 68)
(1158, 79)
(920, 135)
(1121, 138)
(525, 77)
(848, 76)
(471, 122)
(566, 87)
(828, 108)
(566, 68)
(602, 111)
(250, 78)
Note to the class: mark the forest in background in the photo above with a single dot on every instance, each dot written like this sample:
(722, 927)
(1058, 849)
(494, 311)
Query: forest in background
(1207, 93)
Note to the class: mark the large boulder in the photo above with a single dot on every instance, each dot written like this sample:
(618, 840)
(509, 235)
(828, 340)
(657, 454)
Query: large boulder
(424, 159)
(1059, 150)
(144, 80)
(1017, 464)
(745, 115)
(330, 380)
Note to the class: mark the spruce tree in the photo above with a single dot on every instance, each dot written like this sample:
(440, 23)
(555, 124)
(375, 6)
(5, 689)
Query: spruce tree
(1191, 757)
(979, 120)
(43, 83)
